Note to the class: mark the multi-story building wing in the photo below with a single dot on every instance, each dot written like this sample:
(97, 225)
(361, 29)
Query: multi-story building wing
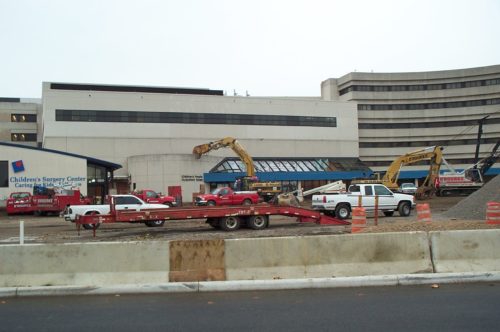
(401, 112)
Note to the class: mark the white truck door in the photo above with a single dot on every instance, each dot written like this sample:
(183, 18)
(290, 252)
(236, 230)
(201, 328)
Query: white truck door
(386, 199)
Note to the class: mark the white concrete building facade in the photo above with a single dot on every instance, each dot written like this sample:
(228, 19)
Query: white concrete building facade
(125, 125)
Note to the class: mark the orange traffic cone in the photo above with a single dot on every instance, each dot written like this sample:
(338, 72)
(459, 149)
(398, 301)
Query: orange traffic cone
(358, 223)
(423, 212)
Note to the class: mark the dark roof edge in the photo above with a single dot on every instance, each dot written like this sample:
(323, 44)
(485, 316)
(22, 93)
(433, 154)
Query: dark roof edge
(96, 161)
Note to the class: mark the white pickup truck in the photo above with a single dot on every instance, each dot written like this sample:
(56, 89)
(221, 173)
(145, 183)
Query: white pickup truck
(341, 205)
(122, 202)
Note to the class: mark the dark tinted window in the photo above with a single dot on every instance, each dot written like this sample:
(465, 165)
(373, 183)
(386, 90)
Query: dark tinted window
(4, 174)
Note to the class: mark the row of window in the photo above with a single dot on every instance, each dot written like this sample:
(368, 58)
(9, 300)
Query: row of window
(419, 144)
(20, 137)
(436, 124)
(385, 163)
(194, 118)
(23, 118)
(422, 106)
(420, 87)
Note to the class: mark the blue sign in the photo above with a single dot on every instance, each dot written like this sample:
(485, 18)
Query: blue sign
(18, 166)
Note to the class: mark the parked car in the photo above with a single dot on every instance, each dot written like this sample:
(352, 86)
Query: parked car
(408, 188)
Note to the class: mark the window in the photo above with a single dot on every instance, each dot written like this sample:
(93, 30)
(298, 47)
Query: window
(127, 200)
(382, 191)
(368, 190)
(196, 118)
(20, 137)
(4, 174)
(23, 118)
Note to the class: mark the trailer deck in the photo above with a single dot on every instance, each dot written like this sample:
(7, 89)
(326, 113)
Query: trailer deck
(228, 218)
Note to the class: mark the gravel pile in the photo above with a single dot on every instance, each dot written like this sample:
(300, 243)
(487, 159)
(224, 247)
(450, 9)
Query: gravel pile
(474, 206)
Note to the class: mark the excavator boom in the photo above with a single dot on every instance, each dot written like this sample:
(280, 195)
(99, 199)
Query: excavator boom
(232, 143)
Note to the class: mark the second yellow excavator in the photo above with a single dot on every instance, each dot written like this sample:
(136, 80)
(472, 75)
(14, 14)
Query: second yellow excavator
(390, 179)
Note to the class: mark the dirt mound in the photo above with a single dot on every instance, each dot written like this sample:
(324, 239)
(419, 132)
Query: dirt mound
(474, 206)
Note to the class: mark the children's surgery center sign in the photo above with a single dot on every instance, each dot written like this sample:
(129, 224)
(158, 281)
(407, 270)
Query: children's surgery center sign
(21, 181)
(29, 182)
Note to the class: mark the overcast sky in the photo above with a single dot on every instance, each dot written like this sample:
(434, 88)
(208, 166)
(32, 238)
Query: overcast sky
(265, 47)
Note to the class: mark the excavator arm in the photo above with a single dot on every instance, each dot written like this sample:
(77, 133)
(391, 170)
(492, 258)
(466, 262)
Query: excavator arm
(433, 153)
(232, 143)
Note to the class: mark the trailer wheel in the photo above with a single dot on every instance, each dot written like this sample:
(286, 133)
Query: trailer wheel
(258, 222)
(214, 222)
(91, 226)
(230, 223)
(342, 211)
(404, 209)
(155, 223)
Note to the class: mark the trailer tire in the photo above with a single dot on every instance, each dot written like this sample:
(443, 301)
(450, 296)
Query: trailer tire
(404, 209)
(214, 222)
(155, 223)
(230, 223)
(91, 226)
(258, 222)
(342, 211)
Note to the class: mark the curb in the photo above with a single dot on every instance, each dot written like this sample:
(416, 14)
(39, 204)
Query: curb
(250, 285)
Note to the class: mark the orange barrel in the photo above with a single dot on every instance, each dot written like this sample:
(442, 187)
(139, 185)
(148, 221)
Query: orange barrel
(493, 213)
(423, 212)
(358, 223)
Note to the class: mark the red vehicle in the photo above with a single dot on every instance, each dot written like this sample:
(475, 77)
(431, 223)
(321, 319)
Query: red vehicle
(41, 203)
(151, 196)
(227, 196)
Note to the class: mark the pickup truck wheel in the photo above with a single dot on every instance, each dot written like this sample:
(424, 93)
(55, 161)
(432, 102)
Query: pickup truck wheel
(155, 223)
(404, 209)
(211, 203)
(342, 211)
(230, 223)
(91, 226)
(388, 213)
(258, 222)
(247, 202)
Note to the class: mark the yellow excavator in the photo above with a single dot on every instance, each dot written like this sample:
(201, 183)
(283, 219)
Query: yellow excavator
(390, 179)
(249, 182)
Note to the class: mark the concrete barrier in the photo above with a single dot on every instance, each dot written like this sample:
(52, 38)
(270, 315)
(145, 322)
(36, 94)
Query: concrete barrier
(466, 251)
(84, 263)
(327, 256)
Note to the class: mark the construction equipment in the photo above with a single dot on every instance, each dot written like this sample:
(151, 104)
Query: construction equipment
(427, 188)
(468, 180)
(249, 182)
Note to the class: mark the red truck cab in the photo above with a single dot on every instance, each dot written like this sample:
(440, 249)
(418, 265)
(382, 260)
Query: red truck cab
(227, 196)
(48, 202)
(151, 196)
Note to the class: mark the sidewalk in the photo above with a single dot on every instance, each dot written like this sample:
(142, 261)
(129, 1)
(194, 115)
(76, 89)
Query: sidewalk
(248, 285)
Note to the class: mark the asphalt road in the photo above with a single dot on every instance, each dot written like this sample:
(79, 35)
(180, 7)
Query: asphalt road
(468, 307)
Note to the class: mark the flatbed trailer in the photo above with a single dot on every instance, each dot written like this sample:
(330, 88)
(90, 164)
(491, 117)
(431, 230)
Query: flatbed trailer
(228, 218)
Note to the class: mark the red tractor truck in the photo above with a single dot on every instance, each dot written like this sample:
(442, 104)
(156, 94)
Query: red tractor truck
(151, 196)
(44, 201)
(227, 196)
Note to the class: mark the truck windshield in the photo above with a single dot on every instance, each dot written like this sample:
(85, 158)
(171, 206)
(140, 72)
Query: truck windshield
(216, 191)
